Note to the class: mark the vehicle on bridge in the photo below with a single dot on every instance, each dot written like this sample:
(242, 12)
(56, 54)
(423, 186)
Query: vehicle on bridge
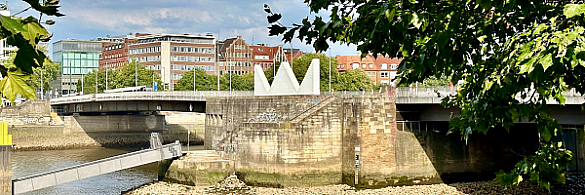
(130, 89)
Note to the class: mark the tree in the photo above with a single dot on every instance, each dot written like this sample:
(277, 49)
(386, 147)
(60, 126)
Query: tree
(243, 82)
(204, 82)
(25, 34)
(50, 71)
(118, 78)
(354, 80)
(498, 49)
(436, 81)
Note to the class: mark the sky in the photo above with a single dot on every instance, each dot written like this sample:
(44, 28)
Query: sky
(87, 19)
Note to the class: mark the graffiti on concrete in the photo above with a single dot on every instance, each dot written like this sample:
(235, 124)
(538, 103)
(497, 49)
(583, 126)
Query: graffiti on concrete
(268, 116)
(33, 120)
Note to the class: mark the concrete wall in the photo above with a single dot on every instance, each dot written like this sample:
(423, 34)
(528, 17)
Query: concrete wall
(31, 112)
(114, 123)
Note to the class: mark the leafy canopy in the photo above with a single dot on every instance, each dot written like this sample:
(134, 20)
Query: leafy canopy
(122, 77)
(512, 57)
(25, 34)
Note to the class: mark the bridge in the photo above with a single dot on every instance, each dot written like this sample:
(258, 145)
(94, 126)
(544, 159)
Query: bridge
(194, 101)
(157, 152)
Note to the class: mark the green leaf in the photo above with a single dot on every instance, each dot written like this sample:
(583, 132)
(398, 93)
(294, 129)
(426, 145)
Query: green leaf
(34, 31)
(276, 30)
(273, 18)
(572, 10)
(546, 61)
(49, 8)
(11, 25)
(13, 84)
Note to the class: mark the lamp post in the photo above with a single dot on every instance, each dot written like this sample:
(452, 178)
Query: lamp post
(329, 70)
(96, 80)
(194, 71)
(136, 73)
(70, 79)
(42, 98)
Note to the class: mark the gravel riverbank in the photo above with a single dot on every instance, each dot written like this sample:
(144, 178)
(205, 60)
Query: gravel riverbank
(234, 186)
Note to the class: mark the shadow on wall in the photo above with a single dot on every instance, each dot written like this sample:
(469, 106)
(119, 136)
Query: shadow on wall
(114, 131)
(481, 157)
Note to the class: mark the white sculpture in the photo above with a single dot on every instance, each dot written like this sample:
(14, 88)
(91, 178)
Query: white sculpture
(285, 82)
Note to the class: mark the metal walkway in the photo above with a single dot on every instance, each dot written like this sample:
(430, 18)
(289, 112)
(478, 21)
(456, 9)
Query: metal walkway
(94, 168)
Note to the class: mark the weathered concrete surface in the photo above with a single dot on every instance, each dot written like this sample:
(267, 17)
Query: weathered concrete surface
(314, 140)
(113, 123)
(32, 112)
(199, 168)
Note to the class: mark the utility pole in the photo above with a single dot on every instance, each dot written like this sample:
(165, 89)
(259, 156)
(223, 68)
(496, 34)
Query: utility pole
(194, 71)
(152, 80)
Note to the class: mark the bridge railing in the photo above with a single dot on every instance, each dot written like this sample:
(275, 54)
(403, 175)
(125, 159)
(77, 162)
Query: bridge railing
(160, 95)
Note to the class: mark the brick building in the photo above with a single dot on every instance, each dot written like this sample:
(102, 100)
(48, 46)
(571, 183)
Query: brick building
(266, 56)
(380, 70)
(235, 56)
(115, 55)
(171, 55)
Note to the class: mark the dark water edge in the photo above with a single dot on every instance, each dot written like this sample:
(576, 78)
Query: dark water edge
(26, 163)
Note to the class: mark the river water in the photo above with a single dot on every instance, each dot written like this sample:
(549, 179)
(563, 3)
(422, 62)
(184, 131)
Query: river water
(32, 162)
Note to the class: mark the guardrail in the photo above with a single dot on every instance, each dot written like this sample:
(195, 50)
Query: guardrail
(94, 168)
(149, 96)
(427, 95)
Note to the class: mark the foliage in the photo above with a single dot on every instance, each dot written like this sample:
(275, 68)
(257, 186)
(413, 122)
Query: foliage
(50, 71)
(354, 80)
(122, 77)
(546, 166)
(244, 82)
(436, 81)
(501, 50)
(24, 34)
(204, 82)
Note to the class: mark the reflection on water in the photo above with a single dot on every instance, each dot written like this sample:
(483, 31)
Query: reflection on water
(33, 162)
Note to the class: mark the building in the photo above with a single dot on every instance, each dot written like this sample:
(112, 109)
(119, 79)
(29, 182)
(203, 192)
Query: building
(235, 56)
(115, 52)
(266, 56)
(295, 53)
(77, 58)
(380, 70)
(171, 55)
(5, 49)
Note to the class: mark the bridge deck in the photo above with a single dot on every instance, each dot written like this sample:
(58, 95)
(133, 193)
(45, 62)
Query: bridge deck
(94, 168)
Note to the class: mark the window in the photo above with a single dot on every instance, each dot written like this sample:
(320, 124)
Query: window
(384, 75)
(364, 66)
(371, 74)
(355, 65)
(393, 66)
(371, 65)
(384, 66)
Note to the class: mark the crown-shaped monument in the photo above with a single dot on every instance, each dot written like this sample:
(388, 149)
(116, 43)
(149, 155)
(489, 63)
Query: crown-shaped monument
(285, 82)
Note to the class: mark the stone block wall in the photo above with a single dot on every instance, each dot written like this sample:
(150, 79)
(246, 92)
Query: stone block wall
(317, 144)
(32, 112)
(275, 142)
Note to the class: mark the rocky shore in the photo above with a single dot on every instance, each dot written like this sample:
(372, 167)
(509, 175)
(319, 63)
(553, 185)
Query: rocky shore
(232, 185)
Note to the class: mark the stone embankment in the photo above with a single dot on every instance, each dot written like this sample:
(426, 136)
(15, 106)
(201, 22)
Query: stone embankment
(234, 186)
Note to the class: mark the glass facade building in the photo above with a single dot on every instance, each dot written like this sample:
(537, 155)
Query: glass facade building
(77, 57)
